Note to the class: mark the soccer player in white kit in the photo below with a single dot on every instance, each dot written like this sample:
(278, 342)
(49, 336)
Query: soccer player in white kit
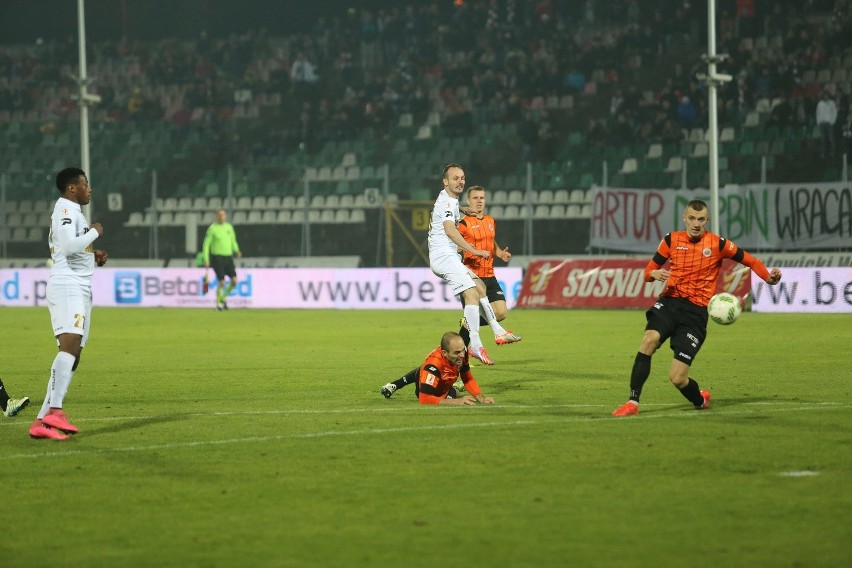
(445, 240)
(69, 295)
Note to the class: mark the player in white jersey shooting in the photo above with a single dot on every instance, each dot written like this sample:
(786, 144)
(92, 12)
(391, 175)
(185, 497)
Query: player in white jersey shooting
(445, 241)
(69, 295)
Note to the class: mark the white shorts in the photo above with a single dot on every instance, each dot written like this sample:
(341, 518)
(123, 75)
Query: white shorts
(450, 268)
(70, 306)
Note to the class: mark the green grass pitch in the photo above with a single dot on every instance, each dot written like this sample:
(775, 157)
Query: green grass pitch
(259, 438)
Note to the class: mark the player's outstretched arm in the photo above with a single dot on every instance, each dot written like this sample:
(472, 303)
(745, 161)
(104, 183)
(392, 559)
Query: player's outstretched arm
(774, 277)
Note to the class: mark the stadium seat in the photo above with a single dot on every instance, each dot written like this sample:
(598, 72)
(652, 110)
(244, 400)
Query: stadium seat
(499, 197)
(135, 219)
(557, 211)
(511, 212)
(258, 202)
(357, 216)
(273, 201)
(629, 166)
(541, 212)
(34, 234)
(269, 217)
(561, 196)
(341, 216)
(496, 211)
(283, 216)
(675, 165)
(655, 151)
(242, 217)
(545, 196)
(577, 196)
(243, 202)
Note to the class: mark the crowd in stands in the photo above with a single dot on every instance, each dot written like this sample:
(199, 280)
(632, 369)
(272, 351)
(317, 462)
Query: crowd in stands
(472, 62)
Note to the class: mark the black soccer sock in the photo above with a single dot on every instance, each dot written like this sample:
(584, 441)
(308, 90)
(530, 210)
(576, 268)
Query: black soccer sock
(640, 373)
(407, 379)
(4, 397)
(692, 393)
(465, 335)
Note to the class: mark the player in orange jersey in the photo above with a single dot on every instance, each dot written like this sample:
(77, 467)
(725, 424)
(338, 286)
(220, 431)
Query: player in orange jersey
(479, 229)
(436, 376)
(680, 313)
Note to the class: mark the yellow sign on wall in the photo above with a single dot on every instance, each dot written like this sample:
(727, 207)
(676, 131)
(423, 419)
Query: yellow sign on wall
(420, 219)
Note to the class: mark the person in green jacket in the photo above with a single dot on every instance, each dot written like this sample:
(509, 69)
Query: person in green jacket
(219, 249)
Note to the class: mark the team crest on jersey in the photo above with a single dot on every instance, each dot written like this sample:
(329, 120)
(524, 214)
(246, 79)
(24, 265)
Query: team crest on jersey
(707, 252)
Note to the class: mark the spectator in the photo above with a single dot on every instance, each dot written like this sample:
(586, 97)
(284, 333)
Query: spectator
(687, 115)
(826, 116)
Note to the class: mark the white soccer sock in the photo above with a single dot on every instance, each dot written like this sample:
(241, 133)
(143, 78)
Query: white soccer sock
(490, 316)
(60, 378)
(471, 315)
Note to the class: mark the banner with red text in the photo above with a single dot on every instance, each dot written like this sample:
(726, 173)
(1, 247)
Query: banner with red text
(606, 283)
(756, 217)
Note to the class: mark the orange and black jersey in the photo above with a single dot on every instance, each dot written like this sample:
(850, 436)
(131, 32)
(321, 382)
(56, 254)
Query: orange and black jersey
(438, 374)
(480, 233)
(695, 265)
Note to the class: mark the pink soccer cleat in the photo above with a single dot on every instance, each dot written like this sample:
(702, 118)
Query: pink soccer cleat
(482, 355)
(57, 419)
(706, 396)
(39, 430)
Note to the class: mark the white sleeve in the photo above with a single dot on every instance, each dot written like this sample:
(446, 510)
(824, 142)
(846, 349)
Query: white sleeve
(67, 239)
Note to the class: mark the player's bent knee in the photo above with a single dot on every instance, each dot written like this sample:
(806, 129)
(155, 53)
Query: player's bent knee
(650, 342)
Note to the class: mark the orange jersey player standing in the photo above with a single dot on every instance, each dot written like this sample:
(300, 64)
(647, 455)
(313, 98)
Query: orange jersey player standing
(680, 313)
(480, 230)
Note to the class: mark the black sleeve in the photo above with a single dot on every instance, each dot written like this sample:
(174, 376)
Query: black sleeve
(738, 256)
(426, 388)
(658, 258)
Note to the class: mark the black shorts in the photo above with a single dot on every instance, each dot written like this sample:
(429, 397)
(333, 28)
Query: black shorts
(681, 322)
(493, 289)
(223, 266)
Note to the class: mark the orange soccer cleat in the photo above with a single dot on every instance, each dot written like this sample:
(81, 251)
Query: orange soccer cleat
(629, 408)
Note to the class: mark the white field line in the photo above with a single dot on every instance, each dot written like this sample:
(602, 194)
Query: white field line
(374, 431)
(417, 407)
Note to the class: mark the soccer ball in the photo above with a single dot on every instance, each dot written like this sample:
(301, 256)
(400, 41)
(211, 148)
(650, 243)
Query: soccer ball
(724, 308)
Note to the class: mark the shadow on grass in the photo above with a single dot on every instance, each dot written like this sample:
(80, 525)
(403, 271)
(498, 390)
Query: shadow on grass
(136, 423)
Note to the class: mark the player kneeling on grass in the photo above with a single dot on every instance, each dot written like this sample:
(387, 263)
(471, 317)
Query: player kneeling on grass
(438, 374)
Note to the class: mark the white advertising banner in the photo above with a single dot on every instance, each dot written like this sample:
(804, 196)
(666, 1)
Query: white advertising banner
(805, 290)
(307, 288)
(756, 217)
